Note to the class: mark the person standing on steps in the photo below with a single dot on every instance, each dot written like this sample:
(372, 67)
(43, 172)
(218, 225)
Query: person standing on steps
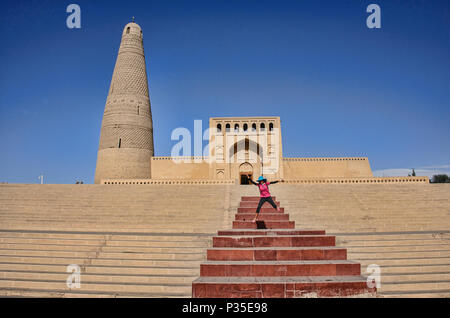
(264, 193)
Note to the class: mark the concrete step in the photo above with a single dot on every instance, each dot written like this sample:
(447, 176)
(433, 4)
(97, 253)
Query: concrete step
(100, 261)
(165, 250)
(374, 236)
(399, 254)
(180, 255)
(50, 247)
(273, 241)
(414, 285)
(101, 237)
(180, 289)
(281, 287)
(388, 243)
(145, 247)
(262, 217)
(417, 294)
(254, 204)
(264, 225)
(182, 269)
(51, 235)
(263, 210)
(157, 244)
(73, 293)
(254, 198)
(393, 249)
(93, 248)
(15, 240)
(409, 269)
(273, 254)
(98, 278)
(244, 232)
(46, 253)
(406, 261)
(402, 236)
(412, 277)
(38, 293)
(280, 268)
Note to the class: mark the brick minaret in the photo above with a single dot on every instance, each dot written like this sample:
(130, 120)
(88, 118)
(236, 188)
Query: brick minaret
(126, 138)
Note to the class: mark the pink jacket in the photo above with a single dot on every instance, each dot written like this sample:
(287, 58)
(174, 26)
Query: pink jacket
(264, 190)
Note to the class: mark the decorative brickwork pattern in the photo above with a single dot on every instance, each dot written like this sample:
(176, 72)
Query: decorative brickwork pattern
(127, 119)
(129, 75)
(130, 136)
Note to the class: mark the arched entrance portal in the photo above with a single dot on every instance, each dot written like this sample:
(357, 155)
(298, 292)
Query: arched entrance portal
(245, 157)
(244, 170)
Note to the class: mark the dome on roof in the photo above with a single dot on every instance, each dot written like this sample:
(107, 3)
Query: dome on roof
(132, 28)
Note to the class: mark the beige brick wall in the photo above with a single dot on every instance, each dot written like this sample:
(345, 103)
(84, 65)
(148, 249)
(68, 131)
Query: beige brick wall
(166, 168)
(115, 163)
(296, 168)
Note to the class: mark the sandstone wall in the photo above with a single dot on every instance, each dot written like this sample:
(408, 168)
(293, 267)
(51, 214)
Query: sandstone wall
(166, 168)
(297, 168)
(293, 168)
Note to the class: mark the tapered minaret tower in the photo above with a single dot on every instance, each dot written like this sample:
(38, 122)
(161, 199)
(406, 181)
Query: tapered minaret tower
(126, 137)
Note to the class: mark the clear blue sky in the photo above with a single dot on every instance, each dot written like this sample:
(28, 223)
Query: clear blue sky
(340, 88)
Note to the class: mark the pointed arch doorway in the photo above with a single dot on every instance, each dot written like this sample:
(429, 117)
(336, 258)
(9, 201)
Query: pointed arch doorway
(244, 170)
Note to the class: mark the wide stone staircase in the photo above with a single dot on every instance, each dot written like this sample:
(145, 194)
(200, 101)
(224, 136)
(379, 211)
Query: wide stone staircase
(112, 265)
(149, 240)
(128, 241)
(270, 258)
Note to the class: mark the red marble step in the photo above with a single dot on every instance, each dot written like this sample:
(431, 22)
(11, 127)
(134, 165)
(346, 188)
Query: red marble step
(274, 241)
(270, 232)
(265, 209)
(253, 198)
(254, 204)
(276, 254)
(262, 217)
(263, 225)
(281, 287)
(280, 268)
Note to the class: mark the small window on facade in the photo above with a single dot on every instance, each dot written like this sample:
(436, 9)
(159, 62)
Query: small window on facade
(262, 127)
(219, 128)
(271, 127)
(227, 127)
(236, 128)
(138, 110)
(120, 142)
(128, 30)
(253, 127)
(245, 127)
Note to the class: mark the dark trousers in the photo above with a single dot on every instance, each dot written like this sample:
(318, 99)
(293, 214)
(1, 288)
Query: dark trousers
(263, 200)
